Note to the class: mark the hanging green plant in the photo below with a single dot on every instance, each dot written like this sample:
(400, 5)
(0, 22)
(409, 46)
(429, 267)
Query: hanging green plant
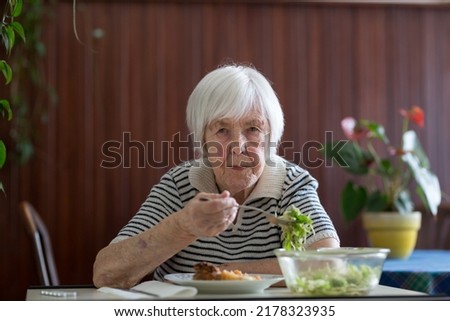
(10, 28)
(30, 109)
(26, 63)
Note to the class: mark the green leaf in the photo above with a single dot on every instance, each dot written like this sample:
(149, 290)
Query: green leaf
(352, 158)
(422, 197)
(403, 203)
(18, 29)
(412, 144)
(385, 168)
(376, 130)
(428, 183)
(2, 153)
(10, 38)
(377, 202)
(16, 9)
(353, 200)
(5, 107)
(6, 71)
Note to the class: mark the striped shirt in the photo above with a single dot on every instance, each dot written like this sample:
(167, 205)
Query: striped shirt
(251, 237)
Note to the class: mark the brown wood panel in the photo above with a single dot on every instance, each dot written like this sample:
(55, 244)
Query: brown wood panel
(128, 88)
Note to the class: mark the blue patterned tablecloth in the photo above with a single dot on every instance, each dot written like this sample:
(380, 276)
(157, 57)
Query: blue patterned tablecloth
(425, 271)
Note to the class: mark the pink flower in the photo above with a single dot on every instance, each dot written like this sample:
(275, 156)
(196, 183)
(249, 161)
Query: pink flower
(352, 129)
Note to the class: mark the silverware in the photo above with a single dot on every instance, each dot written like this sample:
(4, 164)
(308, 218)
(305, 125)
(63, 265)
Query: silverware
(57, 293)
(269, 216)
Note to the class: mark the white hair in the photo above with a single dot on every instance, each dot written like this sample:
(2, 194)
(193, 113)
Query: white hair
(232, 91)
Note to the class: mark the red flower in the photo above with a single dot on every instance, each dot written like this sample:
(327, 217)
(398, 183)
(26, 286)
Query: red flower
(415, 114)
(352, 129)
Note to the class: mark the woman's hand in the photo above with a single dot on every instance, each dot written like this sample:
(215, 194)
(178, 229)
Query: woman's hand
(204, 218)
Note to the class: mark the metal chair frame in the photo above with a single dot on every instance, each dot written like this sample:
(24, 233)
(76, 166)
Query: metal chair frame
(37, 231)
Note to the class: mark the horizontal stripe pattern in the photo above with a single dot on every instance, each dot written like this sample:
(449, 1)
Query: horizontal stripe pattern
(251, 238)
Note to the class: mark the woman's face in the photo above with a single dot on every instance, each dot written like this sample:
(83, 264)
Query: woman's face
(235, 150)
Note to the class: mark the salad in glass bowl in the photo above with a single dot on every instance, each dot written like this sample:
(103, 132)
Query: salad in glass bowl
(348, 271)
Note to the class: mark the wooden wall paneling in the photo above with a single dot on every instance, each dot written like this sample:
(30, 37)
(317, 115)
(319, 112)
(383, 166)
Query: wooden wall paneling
(115, 109)
(441, 155)
(82, 219)
(143, 124)
(436, 35)
(103, 121)
(339, 88)
(292, 79)
(70, 138)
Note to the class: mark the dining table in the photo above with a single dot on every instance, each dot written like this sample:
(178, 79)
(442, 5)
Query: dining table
(90, 293)
(426, 271)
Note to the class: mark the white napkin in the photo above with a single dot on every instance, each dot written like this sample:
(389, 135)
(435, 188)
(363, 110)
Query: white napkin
(151, 289)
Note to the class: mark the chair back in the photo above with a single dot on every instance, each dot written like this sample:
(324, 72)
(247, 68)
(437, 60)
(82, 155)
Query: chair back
(41, 242)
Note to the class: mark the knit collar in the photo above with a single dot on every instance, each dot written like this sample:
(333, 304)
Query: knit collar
(270, 184)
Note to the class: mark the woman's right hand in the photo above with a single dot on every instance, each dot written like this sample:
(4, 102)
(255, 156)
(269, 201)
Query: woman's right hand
(204, 218)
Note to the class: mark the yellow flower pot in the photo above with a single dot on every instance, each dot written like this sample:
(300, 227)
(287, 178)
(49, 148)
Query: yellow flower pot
(392, 230)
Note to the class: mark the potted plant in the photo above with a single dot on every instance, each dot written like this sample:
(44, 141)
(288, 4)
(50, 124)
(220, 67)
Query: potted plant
(383, 175)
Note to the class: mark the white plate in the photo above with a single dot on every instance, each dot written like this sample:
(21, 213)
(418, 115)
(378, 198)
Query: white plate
(225, 286)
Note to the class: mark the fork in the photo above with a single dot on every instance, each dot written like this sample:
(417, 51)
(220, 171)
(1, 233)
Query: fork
(269, 216)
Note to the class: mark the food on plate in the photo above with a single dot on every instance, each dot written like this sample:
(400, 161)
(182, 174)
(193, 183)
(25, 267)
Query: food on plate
(294, 234)
(208, 271)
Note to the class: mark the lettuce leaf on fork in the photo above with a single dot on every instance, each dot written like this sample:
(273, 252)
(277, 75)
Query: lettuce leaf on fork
(294, 234)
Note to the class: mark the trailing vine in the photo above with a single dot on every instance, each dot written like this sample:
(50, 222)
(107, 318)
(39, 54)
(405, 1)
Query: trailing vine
(9, 29)
(31, 108)
(29, 93)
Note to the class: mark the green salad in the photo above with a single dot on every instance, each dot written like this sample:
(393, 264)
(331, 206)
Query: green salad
(294, 234)
(355, 280)
(323, 278)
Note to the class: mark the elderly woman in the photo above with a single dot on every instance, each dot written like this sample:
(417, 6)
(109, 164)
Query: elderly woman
(237, 121)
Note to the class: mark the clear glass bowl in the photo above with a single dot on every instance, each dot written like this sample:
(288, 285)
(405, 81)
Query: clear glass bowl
(347, 271)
